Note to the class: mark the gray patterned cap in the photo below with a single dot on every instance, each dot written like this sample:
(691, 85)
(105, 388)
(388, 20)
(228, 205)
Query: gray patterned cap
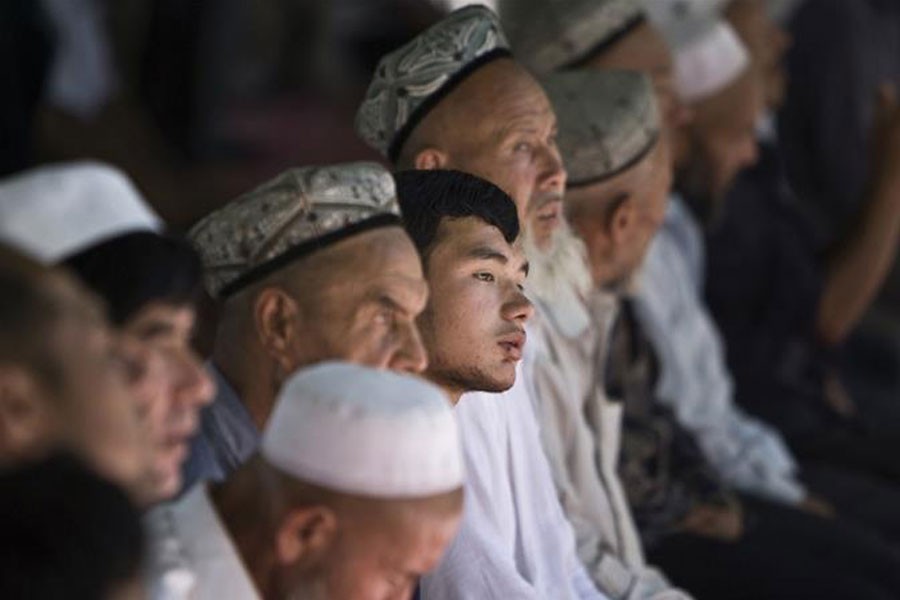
(300, 211)
(608, 121)
(547, 35)
(411, 80)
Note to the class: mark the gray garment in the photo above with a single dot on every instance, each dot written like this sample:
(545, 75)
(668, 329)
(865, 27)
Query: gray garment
(580, 430)
(226, 439)
(694, 380)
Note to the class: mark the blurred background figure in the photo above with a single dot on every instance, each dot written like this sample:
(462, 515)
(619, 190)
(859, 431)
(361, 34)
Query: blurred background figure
(196, 102)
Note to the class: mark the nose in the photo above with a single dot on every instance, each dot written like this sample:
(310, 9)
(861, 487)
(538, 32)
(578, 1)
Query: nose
(553, 174)
(518, 308)
(195, 387)
(411, 356)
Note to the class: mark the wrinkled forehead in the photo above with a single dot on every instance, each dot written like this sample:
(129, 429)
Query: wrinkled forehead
(495, 96)
(382, 258)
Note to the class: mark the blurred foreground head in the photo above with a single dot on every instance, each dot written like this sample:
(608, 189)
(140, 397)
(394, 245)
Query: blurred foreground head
(63, 375)
(67, 533)
(89, 218)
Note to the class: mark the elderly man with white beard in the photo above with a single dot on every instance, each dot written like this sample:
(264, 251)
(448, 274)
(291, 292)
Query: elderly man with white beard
(580, 426)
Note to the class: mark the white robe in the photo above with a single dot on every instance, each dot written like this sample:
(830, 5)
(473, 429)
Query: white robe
(514, 541)
(191, 555)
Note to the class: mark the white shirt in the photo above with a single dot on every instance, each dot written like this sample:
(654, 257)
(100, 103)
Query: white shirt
(694, 378)
(514, 541)
(191, 554)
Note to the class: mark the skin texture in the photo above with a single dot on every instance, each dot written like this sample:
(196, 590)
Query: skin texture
(497, 124)
(474, 325)
(89, 410)
(170, 389)
(356, 301)
(645, 50)
(300, 540)
(618, 218)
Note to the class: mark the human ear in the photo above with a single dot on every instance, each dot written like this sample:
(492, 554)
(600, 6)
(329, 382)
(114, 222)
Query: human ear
(431, 159)
(620, 222)
(25, 422)
(276, 317)
(305, 534)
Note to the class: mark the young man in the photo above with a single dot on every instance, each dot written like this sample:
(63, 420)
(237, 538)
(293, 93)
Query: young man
(310, 266)
(90, 219)
(453, 98)
(355, 493)
(514, 540)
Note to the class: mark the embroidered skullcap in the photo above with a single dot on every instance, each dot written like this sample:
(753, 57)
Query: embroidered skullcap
(366, 432)
(547, 35)
(608, 121)
(413, 79)
(300, 211)
(53, 212)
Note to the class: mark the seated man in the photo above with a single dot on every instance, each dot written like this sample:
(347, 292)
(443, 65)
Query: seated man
(704, 536)
(514, 541)
(452, 98)
(100, 555)
(624, 35)
(786, 310)
(355, 493)
(580, 424)
(89, 218)
(62, 376)
(310, 266)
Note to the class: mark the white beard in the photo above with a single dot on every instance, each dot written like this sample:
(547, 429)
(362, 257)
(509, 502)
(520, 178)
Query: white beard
(560, 278)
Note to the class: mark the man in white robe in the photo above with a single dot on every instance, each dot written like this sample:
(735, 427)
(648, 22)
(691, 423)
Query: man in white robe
(355, 493)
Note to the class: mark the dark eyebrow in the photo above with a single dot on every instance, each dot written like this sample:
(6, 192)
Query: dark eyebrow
(487, 253)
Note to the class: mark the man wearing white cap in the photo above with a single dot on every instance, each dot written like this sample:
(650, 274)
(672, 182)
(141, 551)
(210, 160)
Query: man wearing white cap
(89, 218)
(311, 266)
(355, 493)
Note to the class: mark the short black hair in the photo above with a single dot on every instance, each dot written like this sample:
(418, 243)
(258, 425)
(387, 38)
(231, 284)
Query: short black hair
(428, 197)
(65, 532)
(132, 270)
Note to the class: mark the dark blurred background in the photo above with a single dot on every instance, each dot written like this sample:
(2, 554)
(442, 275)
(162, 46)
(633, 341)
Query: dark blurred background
(198, 100)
